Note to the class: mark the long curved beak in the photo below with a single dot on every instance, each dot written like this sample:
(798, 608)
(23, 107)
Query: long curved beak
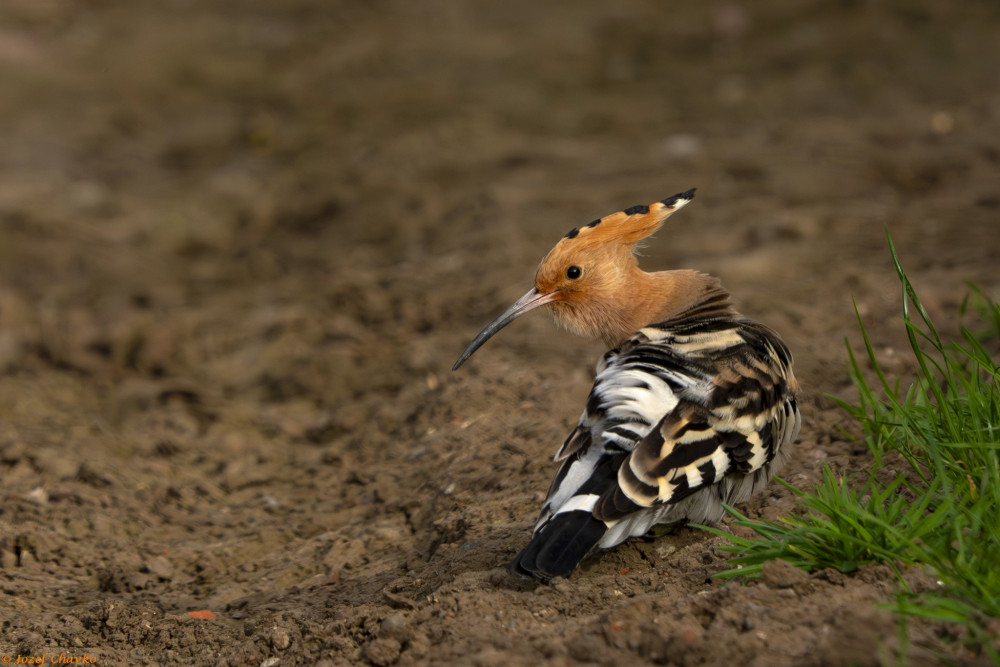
(529, 301)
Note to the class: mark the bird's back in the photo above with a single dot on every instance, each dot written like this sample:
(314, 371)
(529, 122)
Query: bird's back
(688, 414)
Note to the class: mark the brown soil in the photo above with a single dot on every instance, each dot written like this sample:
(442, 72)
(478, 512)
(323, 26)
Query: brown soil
(241, 244)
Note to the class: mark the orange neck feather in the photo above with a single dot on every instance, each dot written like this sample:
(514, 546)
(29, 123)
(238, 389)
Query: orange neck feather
(640, 299)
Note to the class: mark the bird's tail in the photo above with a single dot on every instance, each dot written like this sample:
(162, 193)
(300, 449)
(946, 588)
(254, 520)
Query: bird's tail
(558, 547)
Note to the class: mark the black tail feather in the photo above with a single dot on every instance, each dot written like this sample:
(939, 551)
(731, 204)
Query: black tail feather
(559, 546)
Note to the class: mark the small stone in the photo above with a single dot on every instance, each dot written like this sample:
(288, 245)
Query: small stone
(665, 550)
(394, 627)
(782, 574)
(37, 495)
(279, 638)
(382, 652)
(160, 566)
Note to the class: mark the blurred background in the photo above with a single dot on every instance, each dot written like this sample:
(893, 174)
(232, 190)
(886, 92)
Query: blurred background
(241, 244)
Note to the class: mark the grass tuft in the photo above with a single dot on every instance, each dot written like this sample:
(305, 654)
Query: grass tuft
(940, 509)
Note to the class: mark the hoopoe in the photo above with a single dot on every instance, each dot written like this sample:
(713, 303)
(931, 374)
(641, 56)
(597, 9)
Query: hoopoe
(693, 406)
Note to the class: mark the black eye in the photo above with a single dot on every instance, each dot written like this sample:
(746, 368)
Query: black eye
(574, 272)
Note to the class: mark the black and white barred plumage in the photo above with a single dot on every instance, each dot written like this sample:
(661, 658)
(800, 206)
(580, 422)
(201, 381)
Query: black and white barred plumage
(686, 415)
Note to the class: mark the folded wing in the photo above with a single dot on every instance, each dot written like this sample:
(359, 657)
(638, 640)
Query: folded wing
(689, 414)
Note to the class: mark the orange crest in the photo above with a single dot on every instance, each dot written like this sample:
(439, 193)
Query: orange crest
(611, 238)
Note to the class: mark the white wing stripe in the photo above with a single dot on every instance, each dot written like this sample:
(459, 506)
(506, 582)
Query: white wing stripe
(585, 503)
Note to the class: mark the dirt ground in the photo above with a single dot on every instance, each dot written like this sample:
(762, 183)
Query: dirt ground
(241, 244)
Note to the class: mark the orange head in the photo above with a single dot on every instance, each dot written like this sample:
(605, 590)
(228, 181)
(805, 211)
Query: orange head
(591, 277)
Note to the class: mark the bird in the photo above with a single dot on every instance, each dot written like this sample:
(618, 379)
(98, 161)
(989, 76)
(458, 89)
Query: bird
(693, 406)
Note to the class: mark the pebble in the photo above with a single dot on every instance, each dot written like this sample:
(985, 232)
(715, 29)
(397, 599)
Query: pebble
(279, 638)
(382, 652)
(37, 495)
(782, 574)
(160, 566)
(665, 550)
(394, 627)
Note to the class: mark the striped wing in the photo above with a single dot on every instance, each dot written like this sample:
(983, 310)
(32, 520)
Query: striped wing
(689, 414)
(730, 428)
(678, 408)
